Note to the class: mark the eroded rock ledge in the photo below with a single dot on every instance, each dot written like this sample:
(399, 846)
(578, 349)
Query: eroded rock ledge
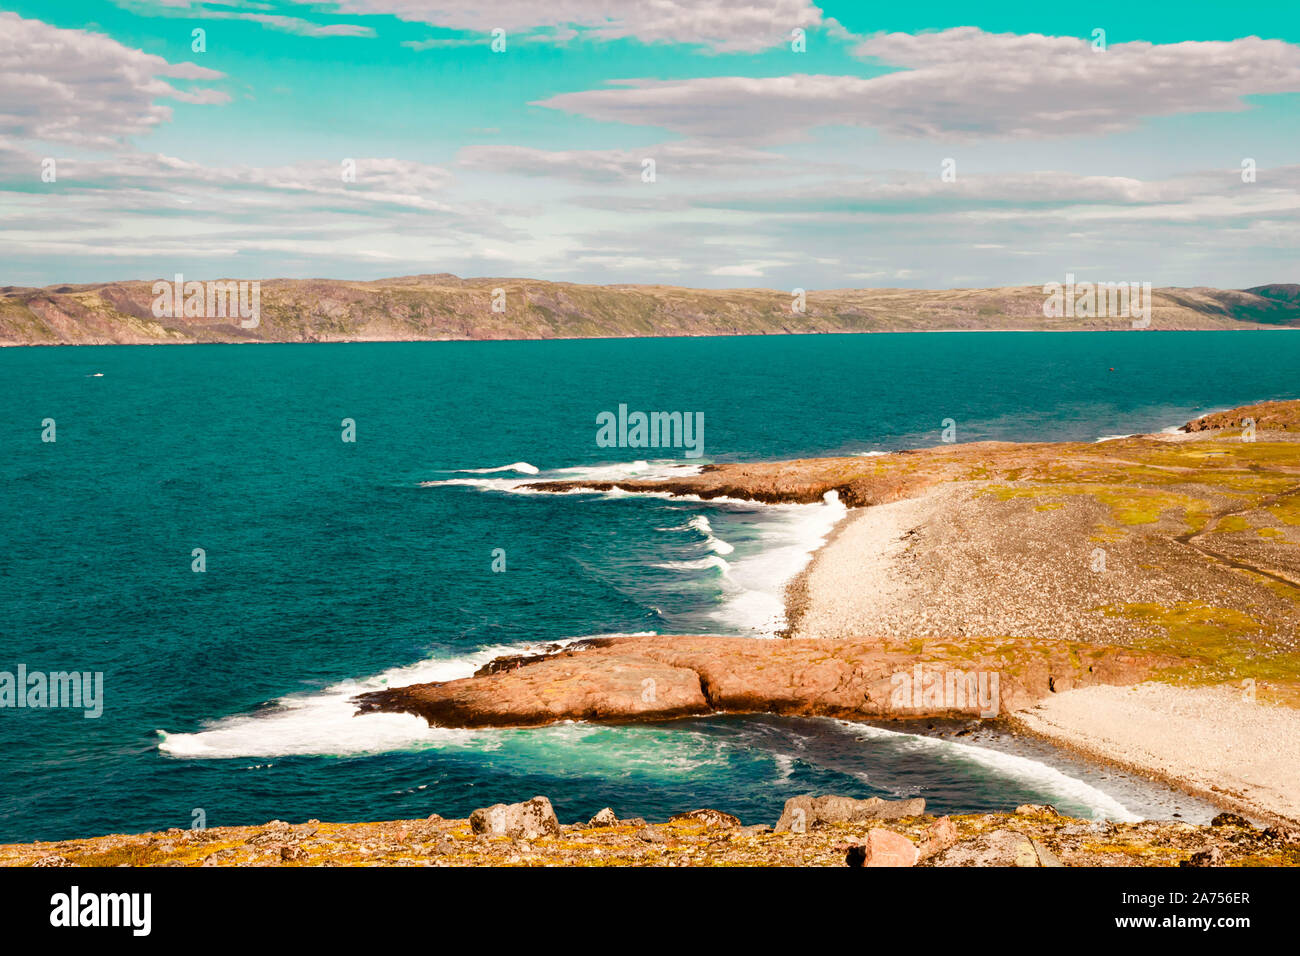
(669, 676)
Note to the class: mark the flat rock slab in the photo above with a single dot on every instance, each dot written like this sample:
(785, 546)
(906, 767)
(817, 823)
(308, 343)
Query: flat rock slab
(586, 686)
(996, 848)
(666, 676)
(805, 812)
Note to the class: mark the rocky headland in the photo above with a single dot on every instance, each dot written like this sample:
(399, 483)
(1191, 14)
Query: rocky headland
(1136, 600)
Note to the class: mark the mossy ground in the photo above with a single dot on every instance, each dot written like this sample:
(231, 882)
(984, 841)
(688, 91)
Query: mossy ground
(438, 842)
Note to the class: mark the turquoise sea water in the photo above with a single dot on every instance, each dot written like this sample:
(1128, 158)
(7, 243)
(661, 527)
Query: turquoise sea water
(332, 567)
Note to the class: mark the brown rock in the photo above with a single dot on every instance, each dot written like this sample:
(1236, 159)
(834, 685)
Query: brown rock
(579, 686)
(804, 812)
(711, 818)
(940, 835)
(658, 677)
(1231, 820)
(1211, 856)
(883, 848)
(996, 848)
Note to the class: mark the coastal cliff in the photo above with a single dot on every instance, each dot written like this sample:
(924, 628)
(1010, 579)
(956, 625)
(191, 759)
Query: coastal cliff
(445, 307)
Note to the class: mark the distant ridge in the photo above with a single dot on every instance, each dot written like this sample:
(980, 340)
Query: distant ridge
(444, 307)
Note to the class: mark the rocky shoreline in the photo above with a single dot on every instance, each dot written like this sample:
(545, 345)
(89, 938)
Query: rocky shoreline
(1167, 564)
(1174, 654)
(811, 831)
(662, 677)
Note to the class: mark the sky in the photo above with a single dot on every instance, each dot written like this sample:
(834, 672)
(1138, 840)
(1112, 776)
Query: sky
(715, 143)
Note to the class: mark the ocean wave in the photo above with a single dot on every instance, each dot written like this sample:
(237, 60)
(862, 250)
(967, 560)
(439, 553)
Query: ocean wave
(715, 544)
(712, 561)
(618, 471)
(755, 601)
(522, 467)
(1064, 790)
(323, 723)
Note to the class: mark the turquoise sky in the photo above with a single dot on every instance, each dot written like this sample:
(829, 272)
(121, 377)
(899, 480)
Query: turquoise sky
(125, 152)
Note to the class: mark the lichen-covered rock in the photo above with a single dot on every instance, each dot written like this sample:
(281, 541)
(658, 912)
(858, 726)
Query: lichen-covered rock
(940, 835)
(710, 818)
(528, 820)
(687, 842)
(1231, 820)
(996, 848)
(604, 818)
(802, 813)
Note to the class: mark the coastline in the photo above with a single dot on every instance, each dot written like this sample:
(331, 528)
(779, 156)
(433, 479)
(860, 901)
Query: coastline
(598, 338)
(445, 307)
(1146, 729)
(1050, 566)
(943, 554)
(1207, 740)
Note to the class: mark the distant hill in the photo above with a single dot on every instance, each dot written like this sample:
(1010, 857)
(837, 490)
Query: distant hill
(439, 307)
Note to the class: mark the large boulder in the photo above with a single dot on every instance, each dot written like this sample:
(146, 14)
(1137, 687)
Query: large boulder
(883, 848)
(533, 818)
(805, 812)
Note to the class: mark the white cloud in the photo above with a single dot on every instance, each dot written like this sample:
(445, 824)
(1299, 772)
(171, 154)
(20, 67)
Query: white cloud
(961, 84)
(217, 10)
(722, 25)
(73, 86)
(671, 161)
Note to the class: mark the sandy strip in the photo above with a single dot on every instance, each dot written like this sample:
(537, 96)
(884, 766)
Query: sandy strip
(877, 575)
(1211, 741)
(855, 581)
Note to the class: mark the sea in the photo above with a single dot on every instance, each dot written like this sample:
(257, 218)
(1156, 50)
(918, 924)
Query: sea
(241, 538)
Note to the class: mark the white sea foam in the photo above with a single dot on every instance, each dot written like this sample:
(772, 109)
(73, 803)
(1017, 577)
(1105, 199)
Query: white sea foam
(618, 471)
(1063, 788)
(754, 586)
(322, 722)
(700, 564)
(522, 467)
(715, 544)
(753, 600)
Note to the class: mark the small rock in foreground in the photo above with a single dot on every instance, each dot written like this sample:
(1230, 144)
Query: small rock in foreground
(710, 818)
